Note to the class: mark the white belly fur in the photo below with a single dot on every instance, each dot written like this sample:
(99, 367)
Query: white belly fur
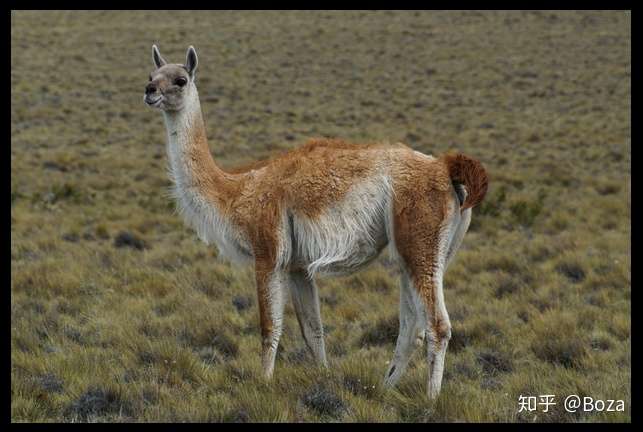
(348, 235)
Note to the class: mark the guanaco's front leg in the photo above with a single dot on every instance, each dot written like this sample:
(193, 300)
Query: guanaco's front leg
(271, 288)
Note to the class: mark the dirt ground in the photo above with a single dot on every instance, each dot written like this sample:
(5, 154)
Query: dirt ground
(119, 312)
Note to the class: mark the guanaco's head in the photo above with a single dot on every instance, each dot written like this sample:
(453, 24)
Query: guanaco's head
(171, 84)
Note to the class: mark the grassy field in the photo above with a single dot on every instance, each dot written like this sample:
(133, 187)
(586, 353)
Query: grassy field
(119, 313)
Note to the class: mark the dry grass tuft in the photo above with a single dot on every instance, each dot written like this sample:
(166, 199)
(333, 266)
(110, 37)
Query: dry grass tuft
(324, 402)
(96, 403)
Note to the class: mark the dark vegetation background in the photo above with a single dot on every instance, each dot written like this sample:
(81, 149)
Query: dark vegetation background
(119, 313)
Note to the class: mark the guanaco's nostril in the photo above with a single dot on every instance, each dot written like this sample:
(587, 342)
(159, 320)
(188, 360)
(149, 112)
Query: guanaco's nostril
(150, 88)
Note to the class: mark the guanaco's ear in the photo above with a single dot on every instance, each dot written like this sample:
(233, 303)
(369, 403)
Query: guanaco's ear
(156, 56)
(191, 61)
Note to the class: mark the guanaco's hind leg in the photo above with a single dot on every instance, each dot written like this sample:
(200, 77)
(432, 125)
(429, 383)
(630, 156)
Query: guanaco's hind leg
(456, 241)
(423, 235)
(432, 311)
(433, 314)
(405, 345)
(306, 303)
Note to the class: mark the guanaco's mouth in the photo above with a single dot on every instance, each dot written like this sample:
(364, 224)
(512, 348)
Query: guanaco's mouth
(153, 102)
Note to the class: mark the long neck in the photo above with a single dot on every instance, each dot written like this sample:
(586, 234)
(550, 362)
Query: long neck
(192, 167)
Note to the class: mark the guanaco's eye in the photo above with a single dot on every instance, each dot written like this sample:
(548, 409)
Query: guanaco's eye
(180, 81)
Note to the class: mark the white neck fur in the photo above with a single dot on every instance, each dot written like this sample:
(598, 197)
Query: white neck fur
(180, 125)
(199, 211)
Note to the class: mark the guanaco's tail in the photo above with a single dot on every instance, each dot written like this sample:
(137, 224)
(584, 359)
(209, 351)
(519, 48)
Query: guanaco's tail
(470, 173)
